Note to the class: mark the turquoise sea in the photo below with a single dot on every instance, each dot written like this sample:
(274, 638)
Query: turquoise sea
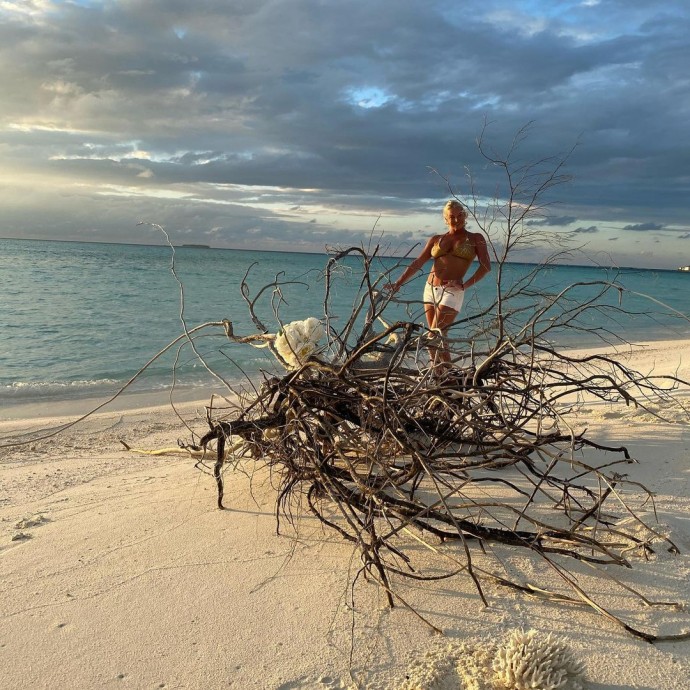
(79, 319)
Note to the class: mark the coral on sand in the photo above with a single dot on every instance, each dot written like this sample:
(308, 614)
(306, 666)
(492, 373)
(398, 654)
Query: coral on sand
(524, 661)
(533, 661)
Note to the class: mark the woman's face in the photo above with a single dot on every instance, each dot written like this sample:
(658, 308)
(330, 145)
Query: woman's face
(455, 217)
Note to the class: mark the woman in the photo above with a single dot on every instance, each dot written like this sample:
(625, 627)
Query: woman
(453, 253)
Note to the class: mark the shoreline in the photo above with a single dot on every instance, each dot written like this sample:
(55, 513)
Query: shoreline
(187, 395)
(117, 570)
(137, 401)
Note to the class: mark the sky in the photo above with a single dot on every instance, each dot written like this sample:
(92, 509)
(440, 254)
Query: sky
(305, 124)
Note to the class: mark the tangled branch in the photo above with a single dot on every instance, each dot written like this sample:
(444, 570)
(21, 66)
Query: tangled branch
(389, 452)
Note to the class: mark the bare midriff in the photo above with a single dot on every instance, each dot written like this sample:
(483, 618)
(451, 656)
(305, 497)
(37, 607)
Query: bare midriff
(448, 270)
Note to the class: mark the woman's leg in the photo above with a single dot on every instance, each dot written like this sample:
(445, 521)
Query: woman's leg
(442, 320)
(430, 311)
(432, 349)
(440, 317)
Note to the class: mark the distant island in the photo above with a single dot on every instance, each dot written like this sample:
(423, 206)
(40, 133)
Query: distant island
(197, 246)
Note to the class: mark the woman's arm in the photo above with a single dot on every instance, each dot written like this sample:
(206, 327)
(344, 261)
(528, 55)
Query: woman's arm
(414, 267)
(484, 261)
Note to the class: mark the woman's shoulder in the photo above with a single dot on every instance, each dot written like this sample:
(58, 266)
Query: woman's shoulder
(434, 239)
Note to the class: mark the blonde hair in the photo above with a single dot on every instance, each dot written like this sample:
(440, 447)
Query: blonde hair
(453, 204)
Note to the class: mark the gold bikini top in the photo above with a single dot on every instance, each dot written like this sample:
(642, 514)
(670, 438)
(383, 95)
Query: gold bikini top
(463, 250)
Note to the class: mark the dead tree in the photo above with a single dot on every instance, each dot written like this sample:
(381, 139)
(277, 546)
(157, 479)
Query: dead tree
(390, 454)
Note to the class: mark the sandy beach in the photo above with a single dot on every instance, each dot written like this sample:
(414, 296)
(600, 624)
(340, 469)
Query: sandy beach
(118, 571)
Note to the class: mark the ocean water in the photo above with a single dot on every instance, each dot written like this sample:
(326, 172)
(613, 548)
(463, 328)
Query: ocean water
(81, 319)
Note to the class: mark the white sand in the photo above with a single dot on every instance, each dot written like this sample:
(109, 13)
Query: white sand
(117, 570)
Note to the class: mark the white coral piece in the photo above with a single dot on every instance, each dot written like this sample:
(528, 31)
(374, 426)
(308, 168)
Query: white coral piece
(298, 341)
(533, 661)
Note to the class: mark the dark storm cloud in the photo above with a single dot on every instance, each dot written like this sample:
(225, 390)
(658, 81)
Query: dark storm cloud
(644, 227)
(587, 231)
(346, 104)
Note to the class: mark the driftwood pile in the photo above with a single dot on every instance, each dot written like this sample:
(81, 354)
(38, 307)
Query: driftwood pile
(397, 456)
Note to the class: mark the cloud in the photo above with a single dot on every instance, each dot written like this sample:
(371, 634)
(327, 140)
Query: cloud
(644, 227)
(554, 221)
(587, 231)
(340, 108)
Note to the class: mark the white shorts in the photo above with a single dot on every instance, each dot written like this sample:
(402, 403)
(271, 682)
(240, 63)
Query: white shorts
(450, 296)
